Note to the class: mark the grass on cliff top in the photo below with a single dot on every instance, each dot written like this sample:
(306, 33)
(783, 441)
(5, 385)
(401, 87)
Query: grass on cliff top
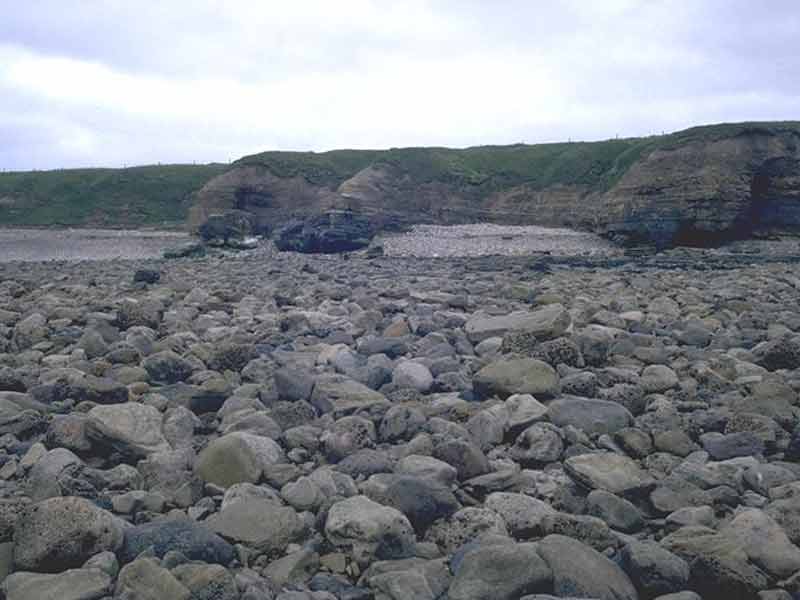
(160, 196)
(151, 196)
(595, 164)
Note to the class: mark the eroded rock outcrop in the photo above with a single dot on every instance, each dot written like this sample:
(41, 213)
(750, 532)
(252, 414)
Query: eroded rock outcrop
(702, 186)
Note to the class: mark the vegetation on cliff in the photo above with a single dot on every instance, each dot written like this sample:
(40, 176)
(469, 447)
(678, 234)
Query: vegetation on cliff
(157, 196)
(161, 195)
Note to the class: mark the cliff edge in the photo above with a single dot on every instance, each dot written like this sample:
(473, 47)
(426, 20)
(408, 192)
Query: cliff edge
(701, 186)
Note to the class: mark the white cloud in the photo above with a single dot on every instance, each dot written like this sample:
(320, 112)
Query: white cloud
(114, 83)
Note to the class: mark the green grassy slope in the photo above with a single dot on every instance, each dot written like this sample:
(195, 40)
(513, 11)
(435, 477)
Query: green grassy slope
(594, 164)
(156, 196)
(161, 195)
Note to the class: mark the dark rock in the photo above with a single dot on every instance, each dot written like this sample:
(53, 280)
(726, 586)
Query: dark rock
(421, 500)
(654, 570)
(146, 276)
(330, 233)
(723, 447)
(226, 227)
(580, 571)
(617, 512)
(193, 540)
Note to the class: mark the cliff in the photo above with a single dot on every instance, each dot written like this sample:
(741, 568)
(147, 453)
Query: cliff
(704, 185)
(700, 186)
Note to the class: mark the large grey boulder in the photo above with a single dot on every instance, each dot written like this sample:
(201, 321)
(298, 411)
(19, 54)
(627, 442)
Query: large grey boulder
(227, 227)
(145, 579)
(764, 542)
(506, 377)
(464, 526)
(590, 415)
(543, 324)
(500, 572)
(132, 429)
(237, 457)
(523, 514)
(372, 530)
(62, 533)
(74, 584)
(719, 566)
(581, 571)
(413, 375)
(263, 525)
(207, 582)
(342, 396)
(654, 570)
(607, 471)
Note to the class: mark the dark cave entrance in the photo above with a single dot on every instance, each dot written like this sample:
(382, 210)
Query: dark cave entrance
(747, 222)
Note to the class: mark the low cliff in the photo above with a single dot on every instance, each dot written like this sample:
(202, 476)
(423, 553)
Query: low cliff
(700, 186)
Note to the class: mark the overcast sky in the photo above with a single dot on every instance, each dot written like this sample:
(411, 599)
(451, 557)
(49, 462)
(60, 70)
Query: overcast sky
(113, 83)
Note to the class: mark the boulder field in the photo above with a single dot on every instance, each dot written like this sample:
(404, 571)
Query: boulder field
(277, 426)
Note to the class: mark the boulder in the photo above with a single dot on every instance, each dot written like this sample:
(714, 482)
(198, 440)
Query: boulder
(263, 525)
(546, 323)
(192, 539)
(501, 572)
(719, 566)
(580, 571)
(372, 530)
(62, 533)
(342, 396)
(167, 367)
(207, 582)
(589, 415)
(145, 579)
(326, 234)
(611, 472)
(523, 514)
(231, 226)
(764, 542)
(132, 429)
(654, 570)
(74, 584)
(506, 377)
(237, 457)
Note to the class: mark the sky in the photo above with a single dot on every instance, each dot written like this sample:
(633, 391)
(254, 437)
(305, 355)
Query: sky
(119, 83)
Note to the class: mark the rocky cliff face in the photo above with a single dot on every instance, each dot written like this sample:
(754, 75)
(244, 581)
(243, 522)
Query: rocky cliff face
(702, 186)
(704, 192)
